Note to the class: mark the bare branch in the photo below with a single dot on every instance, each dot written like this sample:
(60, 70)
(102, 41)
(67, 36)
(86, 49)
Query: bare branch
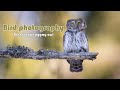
(28, 53)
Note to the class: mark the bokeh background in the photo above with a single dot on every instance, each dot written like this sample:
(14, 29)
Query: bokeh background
(103, 33)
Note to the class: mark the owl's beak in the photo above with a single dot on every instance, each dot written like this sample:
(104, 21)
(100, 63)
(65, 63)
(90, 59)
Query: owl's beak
(81, 28)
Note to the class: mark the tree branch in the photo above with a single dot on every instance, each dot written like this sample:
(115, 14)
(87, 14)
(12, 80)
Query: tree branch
(28, 53)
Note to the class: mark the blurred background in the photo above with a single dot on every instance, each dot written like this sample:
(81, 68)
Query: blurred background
(103, 33)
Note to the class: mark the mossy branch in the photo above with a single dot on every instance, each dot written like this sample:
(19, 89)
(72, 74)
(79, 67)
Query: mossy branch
(28, 53)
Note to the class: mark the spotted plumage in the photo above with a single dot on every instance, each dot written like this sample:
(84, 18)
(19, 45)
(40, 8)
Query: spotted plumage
(75, 41)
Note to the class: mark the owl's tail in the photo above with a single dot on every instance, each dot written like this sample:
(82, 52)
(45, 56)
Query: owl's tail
(75, 65)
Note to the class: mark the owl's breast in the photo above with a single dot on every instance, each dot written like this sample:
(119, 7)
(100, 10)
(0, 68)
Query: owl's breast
(72, 43)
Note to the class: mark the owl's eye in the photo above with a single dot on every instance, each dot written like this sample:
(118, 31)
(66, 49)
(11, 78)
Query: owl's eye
(78, 23)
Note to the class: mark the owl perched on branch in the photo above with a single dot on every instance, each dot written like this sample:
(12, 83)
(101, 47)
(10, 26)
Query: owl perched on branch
(75, 41)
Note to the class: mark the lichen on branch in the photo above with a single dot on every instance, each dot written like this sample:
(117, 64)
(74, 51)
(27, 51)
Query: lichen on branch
(42, 54)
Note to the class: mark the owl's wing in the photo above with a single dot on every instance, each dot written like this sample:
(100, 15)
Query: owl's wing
(87, 49)
(85, 45)
(83, 41)
(86, 36)
(67, 40)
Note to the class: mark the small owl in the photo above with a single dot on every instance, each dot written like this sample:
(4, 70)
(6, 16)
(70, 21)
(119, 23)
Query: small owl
(75, 41)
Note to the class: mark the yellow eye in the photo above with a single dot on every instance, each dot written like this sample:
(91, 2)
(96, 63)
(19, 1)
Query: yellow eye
(78, 23)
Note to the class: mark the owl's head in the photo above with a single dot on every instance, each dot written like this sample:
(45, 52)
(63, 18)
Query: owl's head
(71, 24)
(76, 24)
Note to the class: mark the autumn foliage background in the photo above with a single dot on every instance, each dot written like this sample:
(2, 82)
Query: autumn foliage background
(103, 33)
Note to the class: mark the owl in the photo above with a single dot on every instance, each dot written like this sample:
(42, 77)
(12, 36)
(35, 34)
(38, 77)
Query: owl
(75, 41)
